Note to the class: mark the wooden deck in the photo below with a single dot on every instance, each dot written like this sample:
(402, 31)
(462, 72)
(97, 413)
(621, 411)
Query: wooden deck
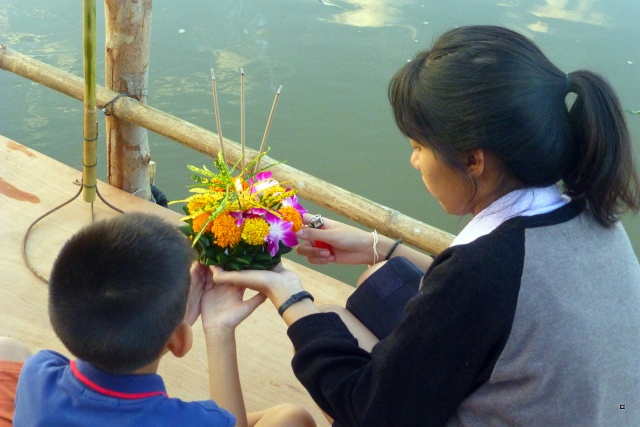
(32, 184)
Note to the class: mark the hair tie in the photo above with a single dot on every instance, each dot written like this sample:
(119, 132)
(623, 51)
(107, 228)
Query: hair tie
(393, 248)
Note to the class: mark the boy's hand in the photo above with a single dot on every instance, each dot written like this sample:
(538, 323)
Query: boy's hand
(223, 307)
(278, 284)
(200, 274)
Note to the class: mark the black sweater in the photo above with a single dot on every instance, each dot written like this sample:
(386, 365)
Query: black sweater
(515, 328)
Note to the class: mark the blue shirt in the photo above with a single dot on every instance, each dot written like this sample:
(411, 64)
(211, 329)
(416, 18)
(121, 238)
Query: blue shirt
(55, 392)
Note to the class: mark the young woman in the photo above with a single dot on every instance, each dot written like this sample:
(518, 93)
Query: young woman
(532, 316)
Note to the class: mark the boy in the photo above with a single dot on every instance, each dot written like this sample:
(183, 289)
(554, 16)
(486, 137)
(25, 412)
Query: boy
(120, 297)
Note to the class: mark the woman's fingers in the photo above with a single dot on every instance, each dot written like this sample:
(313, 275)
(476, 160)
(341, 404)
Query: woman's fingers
(258, 280)
(276, 284)
(252, 279)
(312, 234)
(308, 250)
(316, 256)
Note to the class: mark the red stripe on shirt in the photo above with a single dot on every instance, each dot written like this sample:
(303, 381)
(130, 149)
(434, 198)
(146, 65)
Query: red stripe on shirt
(86, 381)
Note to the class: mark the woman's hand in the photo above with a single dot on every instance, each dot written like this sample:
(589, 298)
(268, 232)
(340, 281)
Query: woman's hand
(223, 306)
(278, 284)
(350, 245)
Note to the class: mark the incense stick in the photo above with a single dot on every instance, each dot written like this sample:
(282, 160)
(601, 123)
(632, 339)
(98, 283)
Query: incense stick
(242, 124)
(266, 131)
(217, 113)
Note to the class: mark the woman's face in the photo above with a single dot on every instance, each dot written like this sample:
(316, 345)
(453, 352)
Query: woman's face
(446, 184)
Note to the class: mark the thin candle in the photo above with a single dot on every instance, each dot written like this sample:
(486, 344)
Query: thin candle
(217, 113)
(266, 131)
(242, 125)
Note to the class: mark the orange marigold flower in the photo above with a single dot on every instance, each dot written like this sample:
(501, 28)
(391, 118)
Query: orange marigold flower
(198, 222)
(255, 230)
(291, 214)
(227, 233)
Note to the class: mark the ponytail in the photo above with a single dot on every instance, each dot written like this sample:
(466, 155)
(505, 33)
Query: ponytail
(602, 173)
(489, 88)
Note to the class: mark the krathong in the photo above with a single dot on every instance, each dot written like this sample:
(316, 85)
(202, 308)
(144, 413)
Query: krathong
(243, 222)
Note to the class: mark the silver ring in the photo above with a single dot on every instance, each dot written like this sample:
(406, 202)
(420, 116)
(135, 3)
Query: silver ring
(316, 221)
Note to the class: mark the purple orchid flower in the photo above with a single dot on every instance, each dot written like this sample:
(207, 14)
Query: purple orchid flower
(239, 217)
(258, 211)
(293, 202)
(261, 182)
(279, 230)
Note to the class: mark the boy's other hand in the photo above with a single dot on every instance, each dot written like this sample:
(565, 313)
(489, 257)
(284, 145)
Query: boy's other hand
(223, 306)
(200, 274)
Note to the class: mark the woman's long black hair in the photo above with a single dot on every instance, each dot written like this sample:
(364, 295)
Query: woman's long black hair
(487, 87)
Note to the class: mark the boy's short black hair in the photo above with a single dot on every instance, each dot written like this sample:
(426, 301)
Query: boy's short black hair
(118, 290)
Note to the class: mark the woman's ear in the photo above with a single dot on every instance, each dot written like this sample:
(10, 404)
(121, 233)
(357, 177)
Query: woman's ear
(475, 162)
(181, 340)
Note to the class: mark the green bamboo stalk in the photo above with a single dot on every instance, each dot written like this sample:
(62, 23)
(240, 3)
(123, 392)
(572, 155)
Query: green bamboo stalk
(89, 158)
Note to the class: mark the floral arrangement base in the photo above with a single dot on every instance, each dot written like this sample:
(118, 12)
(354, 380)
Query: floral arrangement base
(244, 222)
(240, 257)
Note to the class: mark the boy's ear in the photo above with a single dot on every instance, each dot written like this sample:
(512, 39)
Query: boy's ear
(180, 340)
(475, 162)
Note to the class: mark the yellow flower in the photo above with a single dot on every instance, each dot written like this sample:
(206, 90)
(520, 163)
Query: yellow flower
(208, 200)
(271, 191)
(275, 198)
(226, 231)
(194, 206)
(199, 221)
(217, 185)
(290, 214)
(255, 230)
(242, 203)
(211, 199)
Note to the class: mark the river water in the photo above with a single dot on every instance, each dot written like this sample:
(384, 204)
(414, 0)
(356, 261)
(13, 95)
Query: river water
(334, 59)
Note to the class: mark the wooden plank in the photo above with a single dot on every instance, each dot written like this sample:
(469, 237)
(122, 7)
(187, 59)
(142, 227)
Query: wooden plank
(32, 184)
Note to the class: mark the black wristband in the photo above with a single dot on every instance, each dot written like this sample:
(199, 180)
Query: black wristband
(393, 248)
(294, 299)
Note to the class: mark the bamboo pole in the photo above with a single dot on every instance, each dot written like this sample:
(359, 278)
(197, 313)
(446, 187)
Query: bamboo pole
(128, 45)
(366, 212)
(90, 128)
